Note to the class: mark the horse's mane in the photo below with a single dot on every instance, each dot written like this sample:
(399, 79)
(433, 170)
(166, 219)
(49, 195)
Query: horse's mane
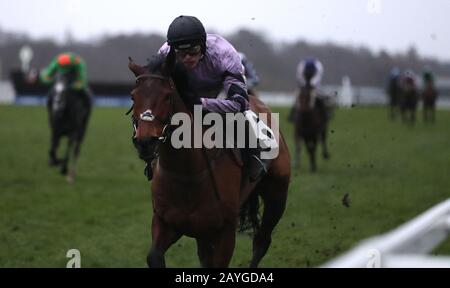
(179, 75)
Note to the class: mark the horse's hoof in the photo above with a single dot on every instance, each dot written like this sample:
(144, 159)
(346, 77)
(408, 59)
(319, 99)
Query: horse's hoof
(326, 156)
(64, 171)
(70, 179)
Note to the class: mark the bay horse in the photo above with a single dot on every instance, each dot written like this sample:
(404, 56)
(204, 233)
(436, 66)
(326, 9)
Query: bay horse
(310, 117)
(409, 100)
(199, 193)
(68, 115)
(429, 96)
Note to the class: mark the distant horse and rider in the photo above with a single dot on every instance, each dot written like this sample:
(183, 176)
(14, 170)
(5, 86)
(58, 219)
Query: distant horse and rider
(404, 95)
(409, 98)
(251, 77)
(394, 91)
(310, 113)
(69, 108)
(203, 192)
(429, 97)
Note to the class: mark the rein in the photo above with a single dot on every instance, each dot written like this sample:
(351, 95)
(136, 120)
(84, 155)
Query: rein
(149, 116)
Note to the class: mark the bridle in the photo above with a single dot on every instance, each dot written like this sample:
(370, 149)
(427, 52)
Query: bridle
(166, 132)
(148, 116)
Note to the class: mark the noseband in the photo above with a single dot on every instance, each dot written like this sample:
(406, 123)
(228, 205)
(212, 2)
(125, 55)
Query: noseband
(148, 116)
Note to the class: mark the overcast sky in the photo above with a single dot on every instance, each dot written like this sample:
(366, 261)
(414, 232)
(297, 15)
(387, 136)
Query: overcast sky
(393, 25)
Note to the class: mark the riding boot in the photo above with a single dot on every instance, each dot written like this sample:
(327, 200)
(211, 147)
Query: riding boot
(265, 141)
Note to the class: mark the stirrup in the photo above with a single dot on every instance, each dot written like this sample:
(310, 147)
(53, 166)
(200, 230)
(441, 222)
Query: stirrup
(258, 168)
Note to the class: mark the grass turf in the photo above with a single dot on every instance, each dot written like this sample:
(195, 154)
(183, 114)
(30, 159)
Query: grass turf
(391, 173)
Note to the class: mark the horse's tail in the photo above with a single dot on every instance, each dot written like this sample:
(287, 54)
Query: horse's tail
(249, 218)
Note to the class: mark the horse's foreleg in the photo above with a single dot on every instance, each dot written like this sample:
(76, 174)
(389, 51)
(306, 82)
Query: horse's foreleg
(223, 244)
(73, 163)
(403, 115)
(413, 116)
(65, 161)
(392, 112)
(53, 160)
(323, 138)
(311, 146)
(205, 250)
(162, 238)
(298, 151)
(274, 195)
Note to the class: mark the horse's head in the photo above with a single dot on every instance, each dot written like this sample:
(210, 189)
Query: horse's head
(153, 104)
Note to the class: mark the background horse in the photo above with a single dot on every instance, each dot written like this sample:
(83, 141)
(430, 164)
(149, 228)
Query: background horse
(408, 101)
(429, 96)
(394, 93)
(68, 116)
(311, 119)
(199, 193)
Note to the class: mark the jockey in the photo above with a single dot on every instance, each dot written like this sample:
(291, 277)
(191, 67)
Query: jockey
(395, 73)
(427, 76)
(251, 77)
(394, 82)
(68, 64)
(215, 65)
(409, 80)
(309, 74)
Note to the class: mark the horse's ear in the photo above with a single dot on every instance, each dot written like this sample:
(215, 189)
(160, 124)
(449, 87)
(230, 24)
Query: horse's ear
(169, 65)
(135, 68)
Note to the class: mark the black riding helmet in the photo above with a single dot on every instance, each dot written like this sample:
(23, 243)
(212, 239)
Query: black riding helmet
(310, 69)
(186, 32)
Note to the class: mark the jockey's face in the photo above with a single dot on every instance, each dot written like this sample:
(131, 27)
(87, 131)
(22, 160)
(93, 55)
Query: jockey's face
(190, 57)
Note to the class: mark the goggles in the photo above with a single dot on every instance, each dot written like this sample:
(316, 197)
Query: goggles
(192, 51)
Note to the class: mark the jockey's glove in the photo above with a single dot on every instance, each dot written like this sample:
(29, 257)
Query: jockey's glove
(242, 102)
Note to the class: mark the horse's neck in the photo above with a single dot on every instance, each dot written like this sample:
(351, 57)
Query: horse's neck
(183, 160)
(305, 97)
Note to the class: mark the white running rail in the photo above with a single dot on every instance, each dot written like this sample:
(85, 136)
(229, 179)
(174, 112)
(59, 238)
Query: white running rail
(404, 247)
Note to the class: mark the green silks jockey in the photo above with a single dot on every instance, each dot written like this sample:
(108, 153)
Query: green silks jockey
(67, 63)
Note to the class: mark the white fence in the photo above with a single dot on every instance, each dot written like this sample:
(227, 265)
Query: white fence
(7, 94)
(405, 247)
(360, 96)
